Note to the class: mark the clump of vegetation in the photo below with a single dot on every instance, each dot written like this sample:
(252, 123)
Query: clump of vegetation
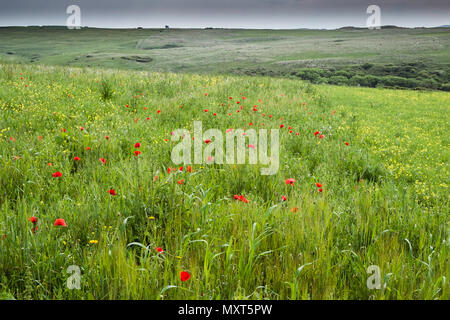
(7, 72)
(106, 89)
(404, 76)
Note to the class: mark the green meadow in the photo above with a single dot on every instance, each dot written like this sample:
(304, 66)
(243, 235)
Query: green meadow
(92, 146)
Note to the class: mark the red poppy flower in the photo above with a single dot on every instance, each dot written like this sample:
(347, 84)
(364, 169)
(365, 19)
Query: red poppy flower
(103, 160)
(189, 169)
(160, 250)
(283, 198)
(207, 141)
(137, 152)
(169, 170)
(251, 146)
(321, 136)
(295, 209)
(60, 223)
(281, 126)
(184, 276)
(137, 145)
(347, 144)
(76, 158)
(290, 181)
(180, 181)
(320, 190)
(33, 220)
(87, 148)
(319, 185)
(206, 110)
(57, 174)
(255, 109)
(316, 133)
(107, 137)
(81, 128)
(240, 198)
(112, 192)
(158, 111)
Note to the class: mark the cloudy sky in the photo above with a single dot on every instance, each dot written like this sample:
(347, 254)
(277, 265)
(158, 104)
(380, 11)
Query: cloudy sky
(274, 14)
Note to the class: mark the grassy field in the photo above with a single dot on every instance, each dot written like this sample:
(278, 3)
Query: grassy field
(390, 57)
(381, 158)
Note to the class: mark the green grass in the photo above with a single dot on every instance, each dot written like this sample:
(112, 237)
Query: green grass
(281, 53)
(384, 200)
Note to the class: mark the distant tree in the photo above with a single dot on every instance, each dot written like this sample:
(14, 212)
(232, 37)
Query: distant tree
(167, 27)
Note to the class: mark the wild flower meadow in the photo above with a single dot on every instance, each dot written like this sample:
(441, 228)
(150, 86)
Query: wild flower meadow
(87, 184)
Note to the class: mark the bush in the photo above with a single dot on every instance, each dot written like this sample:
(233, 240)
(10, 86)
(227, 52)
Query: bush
(344, 73)
(394, 81)
(314, 75)
(365, 81)
(340, 80)
(367, 66)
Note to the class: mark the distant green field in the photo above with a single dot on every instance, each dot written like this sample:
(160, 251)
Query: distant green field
(391, 57)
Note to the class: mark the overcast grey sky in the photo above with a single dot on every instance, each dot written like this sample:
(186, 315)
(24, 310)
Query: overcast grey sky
(274, 14)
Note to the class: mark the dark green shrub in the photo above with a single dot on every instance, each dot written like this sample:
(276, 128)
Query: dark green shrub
(340, 80)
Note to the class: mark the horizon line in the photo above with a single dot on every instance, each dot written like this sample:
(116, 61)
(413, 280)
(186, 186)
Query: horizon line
(220, 28)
